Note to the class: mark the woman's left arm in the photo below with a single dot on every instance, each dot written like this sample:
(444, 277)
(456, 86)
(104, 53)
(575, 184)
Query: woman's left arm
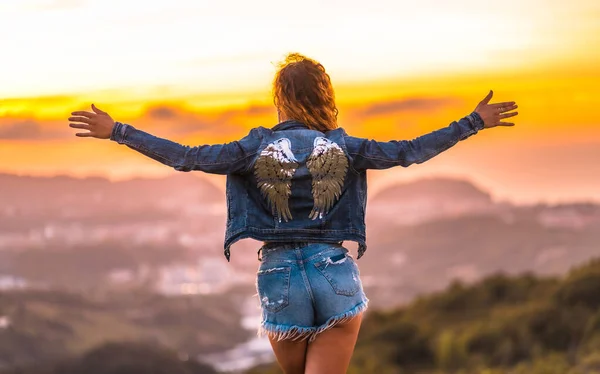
(227, 158)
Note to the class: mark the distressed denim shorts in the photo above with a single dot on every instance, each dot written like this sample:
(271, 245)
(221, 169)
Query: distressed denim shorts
(306, 288)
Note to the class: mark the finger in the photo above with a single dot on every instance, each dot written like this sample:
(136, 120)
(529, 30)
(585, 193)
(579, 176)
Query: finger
(506, 109)
(81, 119)
(84, 113)
(503, 110)
(504, 104)
(505, 124)
(80, 126)
(96, 110)
(85, 134)
(507, 115)
(488, 97)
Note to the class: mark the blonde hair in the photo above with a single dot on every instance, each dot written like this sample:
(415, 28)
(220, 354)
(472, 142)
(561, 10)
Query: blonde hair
(302, 91)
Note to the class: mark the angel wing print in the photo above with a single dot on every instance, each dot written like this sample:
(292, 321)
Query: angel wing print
(274, 169)
(327, 165)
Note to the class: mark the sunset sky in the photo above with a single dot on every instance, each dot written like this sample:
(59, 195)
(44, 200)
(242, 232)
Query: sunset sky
(200, 72)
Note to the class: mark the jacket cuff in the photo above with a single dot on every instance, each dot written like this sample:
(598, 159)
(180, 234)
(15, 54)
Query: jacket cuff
(476, 121)
(118, 132)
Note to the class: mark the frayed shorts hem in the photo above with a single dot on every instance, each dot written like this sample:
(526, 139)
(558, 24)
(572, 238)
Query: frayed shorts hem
(293, 332)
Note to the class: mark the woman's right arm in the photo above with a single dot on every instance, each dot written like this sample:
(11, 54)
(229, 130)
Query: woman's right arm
(372, 154)
(227, 158)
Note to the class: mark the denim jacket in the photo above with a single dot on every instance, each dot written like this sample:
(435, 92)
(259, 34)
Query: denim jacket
(291, 183)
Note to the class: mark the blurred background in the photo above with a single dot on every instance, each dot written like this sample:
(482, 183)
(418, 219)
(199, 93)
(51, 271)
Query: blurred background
(485, 259)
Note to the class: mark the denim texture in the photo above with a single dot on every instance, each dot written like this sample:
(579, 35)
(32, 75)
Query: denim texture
(304, 289)
(251, 215)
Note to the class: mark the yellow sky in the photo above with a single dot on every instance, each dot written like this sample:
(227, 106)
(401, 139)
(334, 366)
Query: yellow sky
(200, 72)
(71, 46)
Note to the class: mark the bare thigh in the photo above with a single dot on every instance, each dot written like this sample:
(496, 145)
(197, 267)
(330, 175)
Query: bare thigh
(291, 355)
(331, 351)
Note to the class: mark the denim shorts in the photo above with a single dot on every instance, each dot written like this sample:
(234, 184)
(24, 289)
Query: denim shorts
(306, 288)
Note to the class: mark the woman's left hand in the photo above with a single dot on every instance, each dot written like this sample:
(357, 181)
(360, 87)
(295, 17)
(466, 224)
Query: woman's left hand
(99, 123)
(493, 114)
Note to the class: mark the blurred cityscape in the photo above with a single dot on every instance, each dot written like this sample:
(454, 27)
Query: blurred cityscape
(86, 262)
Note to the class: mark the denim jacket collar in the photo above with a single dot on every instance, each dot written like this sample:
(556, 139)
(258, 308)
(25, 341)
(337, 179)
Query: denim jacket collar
(288, 125)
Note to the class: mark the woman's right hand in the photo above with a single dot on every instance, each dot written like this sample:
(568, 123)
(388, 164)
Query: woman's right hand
(493, 114)
(98, 123)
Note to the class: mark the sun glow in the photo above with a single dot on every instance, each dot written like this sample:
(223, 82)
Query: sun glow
(75, 46)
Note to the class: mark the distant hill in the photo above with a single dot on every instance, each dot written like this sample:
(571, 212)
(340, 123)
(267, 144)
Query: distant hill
(423, 234)
(404, 261)
(50, 204)
(26, 198)
(73, 231)
(38, 327)
(121, 358)
(426, 199)
(438, 188)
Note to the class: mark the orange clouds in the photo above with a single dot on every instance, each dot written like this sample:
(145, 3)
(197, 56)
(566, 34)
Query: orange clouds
(177, 121)
(31, 129)
(419, 104)
(20, 130)
(217, 125)
(552, 152)
(168, 120)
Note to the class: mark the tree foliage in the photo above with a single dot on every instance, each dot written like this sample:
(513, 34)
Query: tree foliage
(522, 324)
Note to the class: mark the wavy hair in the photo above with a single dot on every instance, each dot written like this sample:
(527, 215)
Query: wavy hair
(302, 91)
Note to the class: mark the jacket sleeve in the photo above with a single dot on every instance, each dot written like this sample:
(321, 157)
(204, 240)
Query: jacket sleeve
(228, 158)
(372, 154)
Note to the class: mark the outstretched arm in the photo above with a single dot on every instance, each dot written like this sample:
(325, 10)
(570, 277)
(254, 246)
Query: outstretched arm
(228, 158)
(372, 154)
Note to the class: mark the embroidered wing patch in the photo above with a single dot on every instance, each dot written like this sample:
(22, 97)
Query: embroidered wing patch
(327, 165)
(274, 169)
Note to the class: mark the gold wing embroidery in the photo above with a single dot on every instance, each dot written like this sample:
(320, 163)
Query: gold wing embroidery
(274, 169)
(327, 165)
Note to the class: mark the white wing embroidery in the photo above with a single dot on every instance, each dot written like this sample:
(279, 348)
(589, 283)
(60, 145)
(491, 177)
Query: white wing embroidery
(274, 169)
(327, 165)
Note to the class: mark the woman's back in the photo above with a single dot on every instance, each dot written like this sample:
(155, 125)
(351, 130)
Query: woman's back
(299, 183)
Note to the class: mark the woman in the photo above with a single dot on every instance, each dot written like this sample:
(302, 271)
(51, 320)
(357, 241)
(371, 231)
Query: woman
(300, 187)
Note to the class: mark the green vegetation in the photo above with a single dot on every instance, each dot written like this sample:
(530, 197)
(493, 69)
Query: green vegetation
(121, 358)
(51, 325)
(501, 325)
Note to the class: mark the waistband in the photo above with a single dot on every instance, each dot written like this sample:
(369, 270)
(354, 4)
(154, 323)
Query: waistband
(272, 246)
(313, 236)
